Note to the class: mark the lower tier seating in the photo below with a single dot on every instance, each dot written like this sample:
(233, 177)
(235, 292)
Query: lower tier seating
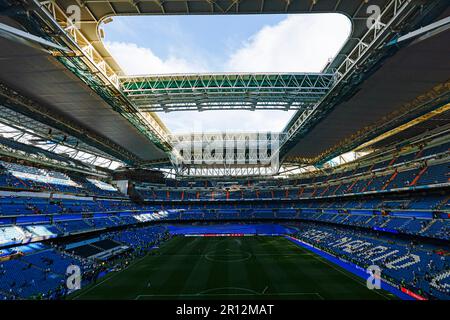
(40, 272)
(419, 267)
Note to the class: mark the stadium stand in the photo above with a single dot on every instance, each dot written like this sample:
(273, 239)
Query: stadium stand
(346, 199)
(39, 271)
(371, 201)
(90, 176)
(418, 267)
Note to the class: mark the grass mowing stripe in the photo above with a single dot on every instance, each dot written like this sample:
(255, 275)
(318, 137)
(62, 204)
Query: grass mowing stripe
(196, 280)
(183, 269)
(217, 277)
(259, 280)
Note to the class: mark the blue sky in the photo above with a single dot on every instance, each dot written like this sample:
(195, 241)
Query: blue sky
(232, 43)
(208, 38)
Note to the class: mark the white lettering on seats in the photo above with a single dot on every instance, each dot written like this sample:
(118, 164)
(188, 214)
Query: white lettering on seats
(413, 259)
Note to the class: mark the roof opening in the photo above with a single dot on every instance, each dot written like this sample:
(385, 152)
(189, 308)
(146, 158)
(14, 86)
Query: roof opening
(158, 45)
(228, 43)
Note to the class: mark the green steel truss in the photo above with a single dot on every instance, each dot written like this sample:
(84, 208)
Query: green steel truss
(245, 91)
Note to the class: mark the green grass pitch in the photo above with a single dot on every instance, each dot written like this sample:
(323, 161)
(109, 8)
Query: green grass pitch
(231, 268)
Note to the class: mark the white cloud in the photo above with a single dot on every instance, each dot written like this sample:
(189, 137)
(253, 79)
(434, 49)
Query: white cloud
(299, 43)
(137, 60)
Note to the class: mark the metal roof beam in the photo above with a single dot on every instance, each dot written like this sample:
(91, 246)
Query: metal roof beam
(270, 91)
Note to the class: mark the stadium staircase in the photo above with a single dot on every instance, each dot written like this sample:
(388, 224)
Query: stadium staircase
(325, 190)
(336, 189)
(443, 202)
(418, 154)
(351, 186)
(392, 161)
(385, 223)
(390, 180)
(345, 219)
(22, 182)
(428, 226)
(367, 185)
(414, 182)
(404, 225)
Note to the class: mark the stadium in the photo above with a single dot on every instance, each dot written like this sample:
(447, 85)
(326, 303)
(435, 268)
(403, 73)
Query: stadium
(101, 200)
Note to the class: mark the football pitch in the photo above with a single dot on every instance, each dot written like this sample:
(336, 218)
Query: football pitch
(252, 267)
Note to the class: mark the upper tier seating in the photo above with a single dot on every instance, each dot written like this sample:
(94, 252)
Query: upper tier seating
(17, 176)
(416, 267)
(425, 175)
